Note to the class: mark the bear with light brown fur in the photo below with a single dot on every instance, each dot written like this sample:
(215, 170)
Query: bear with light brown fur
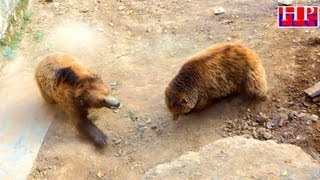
(76, 89)
(217, 72)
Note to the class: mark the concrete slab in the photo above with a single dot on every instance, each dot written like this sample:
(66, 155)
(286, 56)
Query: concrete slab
(24, 121)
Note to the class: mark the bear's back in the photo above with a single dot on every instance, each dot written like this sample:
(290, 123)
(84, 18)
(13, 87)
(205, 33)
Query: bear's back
(230, 54)
(222, 68)
(54, 67)
(227, 61)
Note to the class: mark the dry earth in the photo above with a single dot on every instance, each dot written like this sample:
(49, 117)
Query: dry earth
(137, 46)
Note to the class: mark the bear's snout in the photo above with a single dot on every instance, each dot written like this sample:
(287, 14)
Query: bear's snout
(112, 102)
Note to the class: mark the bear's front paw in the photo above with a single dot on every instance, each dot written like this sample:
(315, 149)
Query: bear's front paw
(101, 140)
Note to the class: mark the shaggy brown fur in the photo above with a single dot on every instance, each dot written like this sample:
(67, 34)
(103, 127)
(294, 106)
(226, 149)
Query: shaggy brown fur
(75, 89)
(219, 71)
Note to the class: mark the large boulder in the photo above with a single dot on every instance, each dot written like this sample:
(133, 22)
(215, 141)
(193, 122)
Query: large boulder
(240, 158)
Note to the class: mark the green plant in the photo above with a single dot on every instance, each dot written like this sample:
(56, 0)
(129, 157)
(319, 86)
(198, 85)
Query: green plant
(133, 116)
(27, 16)
(8, 52)
(38, 36)
(16, 39)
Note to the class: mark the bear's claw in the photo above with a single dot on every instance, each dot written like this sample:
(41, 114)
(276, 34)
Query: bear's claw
(101, 140)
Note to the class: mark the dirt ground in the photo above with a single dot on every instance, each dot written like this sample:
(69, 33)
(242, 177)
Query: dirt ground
(137, 47)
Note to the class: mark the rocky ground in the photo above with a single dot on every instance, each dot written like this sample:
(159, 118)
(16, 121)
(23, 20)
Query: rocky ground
(283, 125)
(228, 159)
(137, 47)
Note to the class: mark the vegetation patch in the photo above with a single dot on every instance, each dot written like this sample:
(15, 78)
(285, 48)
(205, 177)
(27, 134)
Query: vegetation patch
(39, 35)
(17, 24)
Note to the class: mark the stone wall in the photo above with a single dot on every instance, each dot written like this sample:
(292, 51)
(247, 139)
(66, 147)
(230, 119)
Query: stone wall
(11, 15)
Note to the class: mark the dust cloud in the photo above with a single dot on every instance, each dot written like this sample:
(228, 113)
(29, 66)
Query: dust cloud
(77, 38)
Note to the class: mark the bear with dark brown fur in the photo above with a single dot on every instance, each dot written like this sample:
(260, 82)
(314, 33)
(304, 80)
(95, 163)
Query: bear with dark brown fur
(217, 72)
(76, 89)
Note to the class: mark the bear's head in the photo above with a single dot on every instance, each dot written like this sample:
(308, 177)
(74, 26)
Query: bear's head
(95, 94)
(179, 101)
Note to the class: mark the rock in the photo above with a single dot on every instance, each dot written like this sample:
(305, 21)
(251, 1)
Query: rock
(261, 118)
(120, 8)
(159, 132)
(269, 125)
(153, 126)
(254, 123)
(100, 29)
(149, 30)
(219, 10)
(309, 118)
(309, 122)
(314, 118)
(231, 124)
(148, 120)
(261, 131)
(280, 118)
(288, 135)
(245, 126)
(316, 99)
(86, 10)
(306, 104)
(300, 139)
(281, 122)
(100, 174)
(114, 84)
(283, 110)
(292, 115)
(118, 141)
(228, 159)
(314, 90)
(290, 103)
(255, 134)
(267, 135)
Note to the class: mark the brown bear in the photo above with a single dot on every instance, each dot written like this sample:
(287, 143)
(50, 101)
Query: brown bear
(217, 72)
(75, 88)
